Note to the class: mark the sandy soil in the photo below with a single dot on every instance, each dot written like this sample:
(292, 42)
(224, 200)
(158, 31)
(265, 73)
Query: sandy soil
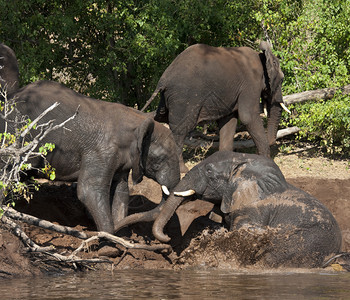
(326, 179)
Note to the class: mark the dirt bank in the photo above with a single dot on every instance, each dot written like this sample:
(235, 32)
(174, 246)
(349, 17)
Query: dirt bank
(327, 180)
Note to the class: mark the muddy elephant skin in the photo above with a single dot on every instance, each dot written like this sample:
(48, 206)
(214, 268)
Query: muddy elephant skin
(253, 194)
(100, 146)
(207, 83)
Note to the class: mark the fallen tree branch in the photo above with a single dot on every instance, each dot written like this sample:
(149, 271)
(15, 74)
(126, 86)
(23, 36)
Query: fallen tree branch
(17, 231)
(131, 245)
(327, 93)
(72, 259)
(193, 143)
(11, 213)
(14, 214)
(287, 131)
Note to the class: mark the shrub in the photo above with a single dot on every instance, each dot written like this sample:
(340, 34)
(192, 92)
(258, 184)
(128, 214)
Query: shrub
(326, 123)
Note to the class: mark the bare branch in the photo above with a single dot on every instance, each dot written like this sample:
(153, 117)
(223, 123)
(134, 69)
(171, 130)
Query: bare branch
(11, 213)
(32, 124)
(16, 150)
(130, 245)
(71, 259)
(16, 229)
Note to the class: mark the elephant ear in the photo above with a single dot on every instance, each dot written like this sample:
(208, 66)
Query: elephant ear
(251, 182)
(268, 176)
(272, 66)
(241, 190)
(140, 148)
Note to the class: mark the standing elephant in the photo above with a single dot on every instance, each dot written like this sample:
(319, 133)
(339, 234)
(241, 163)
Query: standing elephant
(254, 194)
(99, 147)
(206, 83)
(9, 72)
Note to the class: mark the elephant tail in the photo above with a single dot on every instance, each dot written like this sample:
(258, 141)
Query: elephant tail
(155, 93)
(146, 216)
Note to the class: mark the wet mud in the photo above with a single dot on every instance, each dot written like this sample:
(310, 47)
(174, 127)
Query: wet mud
(197, 242)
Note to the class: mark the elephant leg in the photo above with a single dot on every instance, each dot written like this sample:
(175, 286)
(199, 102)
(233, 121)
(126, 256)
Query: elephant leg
(249, 114)
(227, 127)
(257, 132)
(120, 199)
(179, 140)
(181, 125)
(93, 191)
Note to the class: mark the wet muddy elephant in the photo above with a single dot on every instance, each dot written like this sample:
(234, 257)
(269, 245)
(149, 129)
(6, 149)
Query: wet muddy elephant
(100, 146)
(9, 72)
(253, 194)
(207, 83)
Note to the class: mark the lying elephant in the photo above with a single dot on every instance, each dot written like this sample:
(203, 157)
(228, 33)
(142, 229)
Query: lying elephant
(207, 83)
(100, 146)
(254, 194)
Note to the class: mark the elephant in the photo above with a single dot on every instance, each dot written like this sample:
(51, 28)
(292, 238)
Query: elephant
(220, 84)
(253, 194)
(99, 147)
(9, 72)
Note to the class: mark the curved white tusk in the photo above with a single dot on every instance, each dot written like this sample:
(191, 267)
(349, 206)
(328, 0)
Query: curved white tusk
(185, 193)
(285, 108)
(265, 111)
(165, 190)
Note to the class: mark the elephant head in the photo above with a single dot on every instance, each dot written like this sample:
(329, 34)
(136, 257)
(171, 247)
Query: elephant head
(153, 155)
(9, 73)
(272, 94)
(225, 177)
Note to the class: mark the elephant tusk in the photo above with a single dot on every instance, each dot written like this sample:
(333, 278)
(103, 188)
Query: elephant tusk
(165, 190)
(265, 111)
(285, 108)
(185, 193)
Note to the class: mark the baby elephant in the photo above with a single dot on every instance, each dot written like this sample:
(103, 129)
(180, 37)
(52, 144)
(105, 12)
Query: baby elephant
(254, 195)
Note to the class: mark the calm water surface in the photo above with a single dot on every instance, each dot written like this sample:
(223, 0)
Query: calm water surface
(160, 284)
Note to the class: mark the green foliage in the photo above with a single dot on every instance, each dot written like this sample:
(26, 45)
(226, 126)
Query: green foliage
(327, 123)
(315, 47)
(117, 50)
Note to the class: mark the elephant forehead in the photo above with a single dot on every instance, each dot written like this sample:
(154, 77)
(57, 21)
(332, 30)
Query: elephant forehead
(163, 136)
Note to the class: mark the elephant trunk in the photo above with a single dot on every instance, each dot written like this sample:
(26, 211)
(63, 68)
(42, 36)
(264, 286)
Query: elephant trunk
(275, 112)
(190, 181)
(168, 210)
(147, 216)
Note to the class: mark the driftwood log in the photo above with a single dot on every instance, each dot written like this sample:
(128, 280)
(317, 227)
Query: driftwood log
(322, 94)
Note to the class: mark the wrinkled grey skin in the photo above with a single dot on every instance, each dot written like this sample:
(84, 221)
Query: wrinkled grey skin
(207, 83)
(253, 193)
(9, 73)
(100, 146)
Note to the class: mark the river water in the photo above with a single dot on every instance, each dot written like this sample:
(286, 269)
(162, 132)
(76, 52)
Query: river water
(165, 284)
